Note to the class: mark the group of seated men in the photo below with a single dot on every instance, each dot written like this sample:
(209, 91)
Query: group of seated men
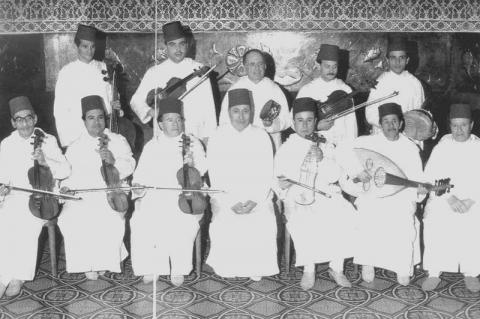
(247, 164)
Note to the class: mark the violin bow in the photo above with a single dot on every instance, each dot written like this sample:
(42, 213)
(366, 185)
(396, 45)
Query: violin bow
(308, 187)
(200, 81)
(130, 188)
(39, 191)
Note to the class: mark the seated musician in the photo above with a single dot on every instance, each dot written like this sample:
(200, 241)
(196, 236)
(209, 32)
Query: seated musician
(243, 231)
(387, 227)
(77, 79)
(322, 87)
(264, 91)
(19, 229)
(451, 221)
(319, 226)
(198, 105)
(93, 228)
(162, 235)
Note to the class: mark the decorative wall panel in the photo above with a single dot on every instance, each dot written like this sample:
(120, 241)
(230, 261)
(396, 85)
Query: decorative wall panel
(49, 16)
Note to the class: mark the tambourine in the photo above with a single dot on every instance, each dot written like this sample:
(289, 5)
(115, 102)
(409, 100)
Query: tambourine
(419, 125)
(270, 111)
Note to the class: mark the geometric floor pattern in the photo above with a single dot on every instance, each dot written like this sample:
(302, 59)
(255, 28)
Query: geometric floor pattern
(124, 296)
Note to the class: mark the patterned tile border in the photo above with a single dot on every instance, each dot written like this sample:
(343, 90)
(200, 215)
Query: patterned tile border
(51, 16)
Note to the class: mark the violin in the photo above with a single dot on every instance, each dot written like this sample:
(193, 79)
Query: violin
(43, 206)
(116, 123)
(116, 198)
(308, 171)
(175, 87)
(340, 102)
(189, 177)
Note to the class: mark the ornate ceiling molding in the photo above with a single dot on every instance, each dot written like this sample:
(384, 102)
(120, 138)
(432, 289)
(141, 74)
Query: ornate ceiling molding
(50, 16)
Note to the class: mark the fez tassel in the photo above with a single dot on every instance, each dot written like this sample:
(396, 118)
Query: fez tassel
(131, 188)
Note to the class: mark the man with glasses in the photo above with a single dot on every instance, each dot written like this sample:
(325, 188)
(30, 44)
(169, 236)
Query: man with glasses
(19, 229)
(397, 78)
(263, 91)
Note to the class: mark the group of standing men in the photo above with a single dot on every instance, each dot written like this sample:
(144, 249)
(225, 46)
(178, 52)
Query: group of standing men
(246, 160)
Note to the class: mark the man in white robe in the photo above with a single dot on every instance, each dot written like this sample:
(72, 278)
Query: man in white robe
(264, 90)
(162, 235)
(451, 220)
(19, 229)
(75, 80)
(315, 224)
(344, 128)
(243, 231)
(198, 105)
(92, 230)
(397, 78)
(388, 229)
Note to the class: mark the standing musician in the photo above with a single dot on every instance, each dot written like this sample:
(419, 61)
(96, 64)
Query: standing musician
(198, 105)
(243, 231)
(319, 89)
(313, 242)
(397, 78)
(19, 229)
(456, 156)
(162, 235)
(263, 91)
(75, 80)
(388, 228)
(92, 229)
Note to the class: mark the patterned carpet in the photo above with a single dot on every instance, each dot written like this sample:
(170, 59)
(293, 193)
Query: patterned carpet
(209, 296)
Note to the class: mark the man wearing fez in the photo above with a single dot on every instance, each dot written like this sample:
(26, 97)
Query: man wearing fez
(313, 224)
(264, 91)
(162, 235)
(451, 220)
(319, 90)
(19, 229)
(243, 231)
(388, 229)
(92, 230)
(75, 80)
(198, 105)
(397, 78)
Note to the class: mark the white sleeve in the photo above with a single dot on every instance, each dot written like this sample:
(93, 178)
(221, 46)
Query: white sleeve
(56, 161)
(69, 125)
(138, 102)
(124, 161)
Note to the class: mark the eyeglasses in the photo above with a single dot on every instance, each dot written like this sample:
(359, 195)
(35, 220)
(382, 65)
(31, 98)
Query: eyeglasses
(27, 119)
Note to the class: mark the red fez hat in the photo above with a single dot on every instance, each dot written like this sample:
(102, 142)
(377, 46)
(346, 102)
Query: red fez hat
(460, 111)
(304, 104)
(389, 108)
(173, 31)
(92, 102)
(169, 105)
(397, 43)
(328, 52)
(18, 104)
(239, 97)
(86, 32)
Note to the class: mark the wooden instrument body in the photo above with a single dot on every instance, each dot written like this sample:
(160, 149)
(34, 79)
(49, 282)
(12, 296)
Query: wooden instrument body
(42, 205)
(387, 178)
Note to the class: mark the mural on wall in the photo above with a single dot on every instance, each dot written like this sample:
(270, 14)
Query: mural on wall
(47, 16)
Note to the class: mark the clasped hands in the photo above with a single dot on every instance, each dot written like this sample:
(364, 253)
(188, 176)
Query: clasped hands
(244, 208)
(460, 206)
